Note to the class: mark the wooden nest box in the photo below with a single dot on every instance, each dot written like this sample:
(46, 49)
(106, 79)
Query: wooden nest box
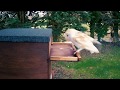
(27, 53)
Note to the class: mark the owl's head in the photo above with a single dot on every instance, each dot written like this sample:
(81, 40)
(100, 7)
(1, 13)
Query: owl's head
(69, 34)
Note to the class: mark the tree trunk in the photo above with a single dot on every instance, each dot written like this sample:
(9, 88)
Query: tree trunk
(115, 25)
(92, 29)
(115, 34)
(21, 16)
(99, 37)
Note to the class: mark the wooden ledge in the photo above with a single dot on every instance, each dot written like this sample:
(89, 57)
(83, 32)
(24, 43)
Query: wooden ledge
(63, 51)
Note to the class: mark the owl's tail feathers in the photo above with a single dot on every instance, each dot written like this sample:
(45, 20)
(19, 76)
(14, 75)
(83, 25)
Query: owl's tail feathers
(96, 42)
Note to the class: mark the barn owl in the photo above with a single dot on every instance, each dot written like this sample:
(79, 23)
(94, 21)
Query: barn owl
(81, 40)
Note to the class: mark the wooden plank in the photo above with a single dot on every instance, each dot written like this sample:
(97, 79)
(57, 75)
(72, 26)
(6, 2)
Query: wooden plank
(78, 56)
(61, 43)
(58, 58)
(64, 43)
(65, 54)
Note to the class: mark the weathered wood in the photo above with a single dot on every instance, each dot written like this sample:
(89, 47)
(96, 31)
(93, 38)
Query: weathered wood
(63, 51)
(60, 58)
(25, 53)
(24, 60)
(78, 56)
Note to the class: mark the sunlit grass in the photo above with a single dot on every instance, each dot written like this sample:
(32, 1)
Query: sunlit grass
(103, 66)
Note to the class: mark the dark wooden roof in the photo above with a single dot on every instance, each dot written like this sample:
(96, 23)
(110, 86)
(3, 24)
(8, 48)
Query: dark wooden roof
(25, 35)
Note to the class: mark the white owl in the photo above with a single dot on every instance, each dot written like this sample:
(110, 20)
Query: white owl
(81, 40)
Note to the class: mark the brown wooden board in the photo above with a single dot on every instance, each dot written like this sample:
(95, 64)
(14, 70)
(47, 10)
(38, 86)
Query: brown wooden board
(24, 60)
(62, 51)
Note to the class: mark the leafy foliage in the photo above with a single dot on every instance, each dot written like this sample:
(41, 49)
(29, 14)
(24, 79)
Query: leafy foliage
(59, 21)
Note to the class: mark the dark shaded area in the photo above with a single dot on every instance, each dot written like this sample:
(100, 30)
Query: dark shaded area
(111, 43)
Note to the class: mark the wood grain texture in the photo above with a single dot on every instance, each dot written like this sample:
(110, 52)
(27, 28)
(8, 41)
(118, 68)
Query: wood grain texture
(24, 60)
(61, 51)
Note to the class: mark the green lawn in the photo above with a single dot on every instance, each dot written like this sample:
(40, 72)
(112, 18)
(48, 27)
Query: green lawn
(103, 66)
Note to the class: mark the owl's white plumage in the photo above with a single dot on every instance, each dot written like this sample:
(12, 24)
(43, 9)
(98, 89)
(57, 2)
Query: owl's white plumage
(81, 40)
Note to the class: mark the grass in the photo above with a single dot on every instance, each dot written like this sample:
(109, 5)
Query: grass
(103, 66)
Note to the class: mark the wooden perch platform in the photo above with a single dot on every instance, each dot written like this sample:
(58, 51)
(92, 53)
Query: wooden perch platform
(63, 51)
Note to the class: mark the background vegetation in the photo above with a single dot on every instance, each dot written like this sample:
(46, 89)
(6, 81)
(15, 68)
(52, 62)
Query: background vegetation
(98, 23)
(106, 65)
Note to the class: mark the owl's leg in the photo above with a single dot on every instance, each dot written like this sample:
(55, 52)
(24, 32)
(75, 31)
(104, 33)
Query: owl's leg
(78, 50)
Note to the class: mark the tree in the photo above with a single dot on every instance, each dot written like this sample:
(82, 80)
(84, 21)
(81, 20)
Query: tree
(98, 23)
(116, 20)
(21, 16)
(59, 21)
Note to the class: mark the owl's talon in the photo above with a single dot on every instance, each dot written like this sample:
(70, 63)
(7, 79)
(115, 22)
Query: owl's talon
(75, 53)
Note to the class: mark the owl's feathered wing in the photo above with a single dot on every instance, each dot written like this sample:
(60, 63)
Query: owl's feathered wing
(84, 42)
